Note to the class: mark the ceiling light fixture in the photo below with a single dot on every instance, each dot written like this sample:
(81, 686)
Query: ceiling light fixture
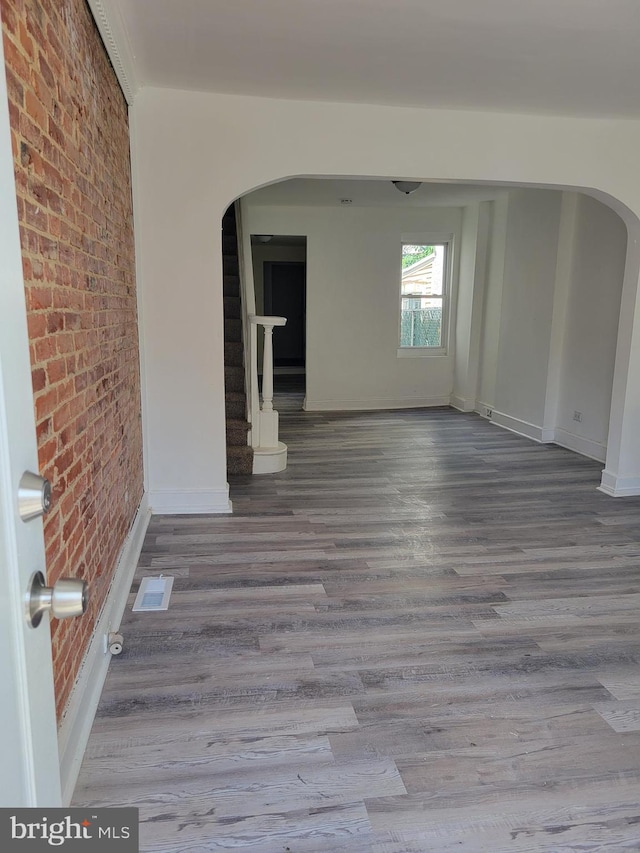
(407, 187)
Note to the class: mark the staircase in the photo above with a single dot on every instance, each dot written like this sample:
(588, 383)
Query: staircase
(239, 454)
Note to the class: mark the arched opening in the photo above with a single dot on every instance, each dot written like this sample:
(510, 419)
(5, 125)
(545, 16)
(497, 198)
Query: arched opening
(537, 280)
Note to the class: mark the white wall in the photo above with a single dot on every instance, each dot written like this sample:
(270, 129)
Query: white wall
(196, 152)
(353, 303)
(527, 309)
(467, 284)
(492, 306)
(474, 252)
(179, 261)
(593, 309)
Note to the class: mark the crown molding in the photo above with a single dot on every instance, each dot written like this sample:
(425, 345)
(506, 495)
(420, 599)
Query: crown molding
(115, 39)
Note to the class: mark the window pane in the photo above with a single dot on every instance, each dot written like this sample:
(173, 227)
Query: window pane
(422, 295)
(423, 270)
(421, 327)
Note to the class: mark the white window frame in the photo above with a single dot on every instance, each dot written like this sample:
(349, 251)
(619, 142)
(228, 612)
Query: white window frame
(445, 240)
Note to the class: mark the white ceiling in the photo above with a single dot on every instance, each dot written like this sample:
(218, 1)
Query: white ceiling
(370, 193)
(573, 57)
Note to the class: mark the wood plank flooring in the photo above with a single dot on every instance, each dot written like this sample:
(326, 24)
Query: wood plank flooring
(422, 637)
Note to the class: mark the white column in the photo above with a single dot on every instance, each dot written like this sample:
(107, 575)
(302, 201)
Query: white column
(267, 369)
(268, 427)
(621, 476)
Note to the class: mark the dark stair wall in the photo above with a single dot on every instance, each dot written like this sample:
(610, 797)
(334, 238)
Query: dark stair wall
(239, 454)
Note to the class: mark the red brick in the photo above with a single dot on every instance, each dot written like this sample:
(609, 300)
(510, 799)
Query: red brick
(35, 109)
(56, 370)
(37, 324)
(37, 269)
(14, 58)
(15, 88)
(46, 403)
(38, 379)
(47, 453)
(74, 203)
(29, 130)
(35, 216)
(39, 297)
(44, 349)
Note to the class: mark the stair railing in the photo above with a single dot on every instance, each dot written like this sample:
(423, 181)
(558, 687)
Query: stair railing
(267, 416)
(263, 418)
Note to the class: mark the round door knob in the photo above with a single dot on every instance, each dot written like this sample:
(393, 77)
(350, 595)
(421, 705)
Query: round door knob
(66, 598)
(34, 496)
(69, 598)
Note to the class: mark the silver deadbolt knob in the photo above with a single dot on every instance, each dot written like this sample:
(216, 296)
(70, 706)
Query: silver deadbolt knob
(34, 496)
(66, 598)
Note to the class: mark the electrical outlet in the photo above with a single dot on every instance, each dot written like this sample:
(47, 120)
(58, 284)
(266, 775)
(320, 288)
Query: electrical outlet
(577, 416)
(488, 412)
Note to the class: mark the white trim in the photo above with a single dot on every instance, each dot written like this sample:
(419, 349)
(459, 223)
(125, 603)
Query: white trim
(113, 33)
(75, 726)
(421, 352)
(619, 487)
(462, 405)
(270, 460)
(135, 196)
(427, 238)
(585, 446)
(190, 501)
(374, 404)
(519, 427)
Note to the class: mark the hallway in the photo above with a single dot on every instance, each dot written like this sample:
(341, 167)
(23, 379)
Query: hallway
(421, 637)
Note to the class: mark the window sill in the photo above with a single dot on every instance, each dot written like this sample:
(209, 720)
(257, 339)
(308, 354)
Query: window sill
(421, 352)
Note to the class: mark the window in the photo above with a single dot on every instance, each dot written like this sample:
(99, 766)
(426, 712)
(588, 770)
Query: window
(423, 298)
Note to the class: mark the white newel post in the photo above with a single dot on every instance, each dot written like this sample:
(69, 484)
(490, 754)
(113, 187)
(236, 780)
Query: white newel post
(267, 369)
(270, 454)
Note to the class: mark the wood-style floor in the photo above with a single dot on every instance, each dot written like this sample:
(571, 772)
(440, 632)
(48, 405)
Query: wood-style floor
(423, 637)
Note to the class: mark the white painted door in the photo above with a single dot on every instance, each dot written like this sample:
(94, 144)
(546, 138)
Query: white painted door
(29, 768)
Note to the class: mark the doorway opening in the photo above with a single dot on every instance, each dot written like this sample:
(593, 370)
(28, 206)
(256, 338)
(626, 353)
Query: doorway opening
(280, 274)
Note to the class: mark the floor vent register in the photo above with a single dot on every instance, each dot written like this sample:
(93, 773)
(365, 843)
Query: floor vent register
(154, 594)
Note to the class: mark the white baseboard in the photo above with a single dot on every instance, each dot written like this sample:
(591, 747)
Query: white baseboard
(374, 404)
(619, 487)
(75, 726)
(190, 501)
(461, 404)
(584, 446)
(518, 426)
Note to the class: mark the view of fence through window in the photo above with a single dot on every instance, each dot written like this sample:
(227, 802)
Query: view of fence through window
(422, 295)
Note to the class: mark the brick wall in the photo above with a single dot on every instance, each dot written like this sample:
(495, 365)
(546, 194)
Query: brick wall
(69, 128)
